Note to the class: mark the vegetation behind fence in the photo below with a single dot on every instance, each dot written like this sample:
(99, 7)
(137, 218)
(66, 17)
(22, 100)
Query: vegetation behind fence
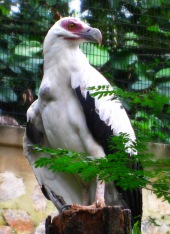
(134, 56)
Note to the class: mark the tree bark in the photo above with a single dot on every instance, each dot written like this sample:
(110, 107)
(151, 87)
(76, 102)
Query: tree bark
(107, 220)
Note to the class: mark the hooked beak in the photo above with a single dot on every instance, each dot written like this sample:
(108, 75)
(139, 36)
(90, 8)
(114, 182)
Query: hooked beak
(91, 34)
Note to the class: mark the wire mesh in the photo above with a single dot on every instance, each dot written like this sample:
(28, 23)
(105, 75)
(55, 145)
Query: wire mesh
(134, 55)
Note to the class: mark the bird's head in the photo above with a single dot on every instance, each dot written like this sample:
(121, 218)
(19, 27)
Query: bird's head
(72, 30)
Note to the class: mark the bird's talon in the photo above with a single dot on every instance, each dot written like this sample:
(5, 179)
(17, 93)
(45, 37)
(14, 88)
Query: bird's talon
(97, 203)
(100, 204)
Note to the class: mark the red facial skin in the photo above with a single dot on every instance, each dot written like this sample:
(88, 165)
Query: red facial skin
(85, 33)
(72, 26)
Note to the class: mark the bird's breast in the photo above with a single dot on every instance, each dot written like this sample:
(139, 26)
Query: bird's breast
(63, 120)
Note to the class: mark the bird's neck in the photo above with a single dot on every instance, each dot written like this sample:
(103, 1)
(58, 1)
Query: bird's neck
(60, 62)
(59, 54)
(65, 58)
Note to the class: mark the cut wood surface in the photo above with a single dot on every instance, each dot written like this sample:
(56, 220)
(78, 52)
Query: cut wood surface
(107, 220)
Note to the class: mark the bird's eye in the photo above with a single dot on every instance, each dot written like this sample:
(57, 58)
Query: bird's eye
(71, 26)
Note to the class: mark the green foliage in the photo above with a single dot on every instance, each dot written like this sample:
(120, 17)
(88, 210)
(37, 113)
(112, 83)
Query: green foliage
(137, 39)
(96, 55)
(149, 108)
(118, 167)
(23, 27)
(28, 48)
(136, 229)
(153, 221)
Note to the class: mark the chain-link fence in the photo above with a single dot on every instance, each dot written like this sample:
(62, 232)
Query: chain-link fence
(134, 56)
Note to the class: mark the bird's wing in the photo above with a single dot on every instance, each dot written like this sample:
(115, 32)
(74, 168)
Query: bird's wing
(106, 117)
(60, 188)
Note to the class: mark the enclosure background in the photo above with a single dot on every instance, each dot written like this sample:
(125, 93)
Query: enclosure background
(134, 56)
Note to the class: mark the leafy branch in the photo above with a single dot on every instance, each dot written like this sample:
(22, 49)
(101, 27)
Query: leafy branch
(148, 111)
(118, 167)
(151, 100)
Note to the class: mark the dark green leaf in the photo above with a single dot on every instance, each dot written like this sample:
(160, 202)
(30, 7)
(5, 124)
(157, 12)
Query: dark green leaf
(141, 84)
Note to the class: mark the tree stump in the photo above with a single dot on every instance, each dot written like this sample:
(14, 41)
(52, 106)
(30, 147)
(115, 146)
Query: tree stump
(107, 220)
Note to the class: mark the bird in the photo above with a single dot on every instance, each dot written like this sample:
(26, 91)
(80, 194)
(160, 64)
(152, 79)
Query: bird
(66, 115)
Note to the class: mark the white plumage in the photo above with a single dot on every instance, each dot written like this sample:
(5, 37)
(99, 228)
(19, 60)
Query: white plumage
(61, 117)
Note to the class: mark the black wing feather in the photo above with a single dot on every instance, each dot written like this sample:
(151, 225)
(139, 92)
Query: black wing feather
(101, 132)
(33, 133)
